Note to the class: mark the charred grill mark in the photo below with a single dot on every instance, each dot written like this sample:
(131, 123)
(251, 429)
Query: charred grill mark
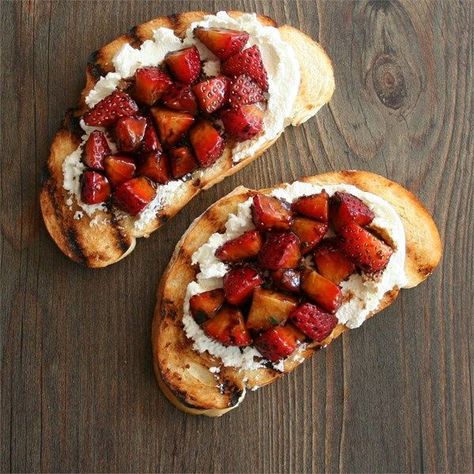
(93, 63)
(72, 123)
(122, 240)
(74, 245)
(231, 390)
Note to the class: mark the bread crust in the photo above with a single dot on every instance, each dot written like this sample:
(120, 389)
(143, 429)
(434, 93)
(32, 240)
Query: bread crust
(102, 245)
(184, 374)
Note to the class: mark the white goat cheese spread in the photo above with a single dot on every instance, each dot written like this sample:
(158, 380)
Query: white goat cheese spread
(366, 293)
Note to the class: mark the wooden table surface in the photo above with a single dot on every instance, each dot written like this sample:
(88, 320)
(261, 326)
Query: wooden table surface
(77, 386)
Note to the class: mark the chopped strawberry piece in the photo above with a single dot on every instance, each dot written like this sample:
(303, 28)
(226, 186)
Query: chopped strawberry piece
(207, 143)
(185, 64)
(119, 169)
(249, 61)
(95, 188)
(205, 305)
(269, 213)
(133, 195)
(110, 109)
(239, 284)
(313, 322)
(96, 149)
(344, 208)
(172, 125)
(150, 84)
(366, 250)
(309, 232)
(180, 97)
(314, 206)
(154, 165)
(331, 262)
(280, 250)
(269, 308)
(243, 91)
(278, 342)
(129, 132)
(287, 279)
(150, 139)
(228, 327)
(242, 123)
(241, 248)
(222, 42)
(182, 161)
(212, 93)
(321, 290)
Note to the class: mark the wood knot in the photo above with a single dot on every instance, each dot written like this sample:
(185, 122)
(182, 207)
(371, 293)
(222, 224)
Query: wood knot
(388, 80)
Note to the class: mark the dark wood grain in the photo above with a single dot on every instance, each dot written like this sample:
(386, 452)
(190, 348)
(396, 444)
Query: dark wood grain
(77, 388)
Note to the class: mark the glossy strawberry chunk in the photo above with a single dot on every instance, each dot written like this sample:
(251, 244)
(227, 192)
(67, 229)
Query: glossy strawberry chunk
(119, 168)
(280, 250)
(222, 42)
(96, 149)
(228, 327)
(315, 206)
(95, 188)
(207, 143)
(241, 248)
(244, 91)
(110, 109)
(279, 342)
(150, 84)
(347, 209)
(312, 321)
(212, 93)
(367, 251)
(322, 291)
(180, 97)
(129, 133)
(154, 165)
(243, 122)
(182, 161)
(133, 195)
(150, 139)
(185, 64)
(287, 279)
(171, 124)
(205, 305)
(269, 213)
(239, 284)
(331, 262)
(309, 232)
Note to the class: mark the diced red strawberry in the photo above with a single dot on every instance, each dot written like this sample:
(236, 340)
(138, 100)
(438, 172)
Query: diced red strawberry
(309, 232)
(287, 279)
(212, 93)
(110, 109)
(278, 342)
(129, 133)
(150, 84)
(96, 149)
(228, 327)
(314, 206)
(321, 290)
(95, 188)
(239, 284)
(241, 248)
(205, 305)
(269, 213)
(331, 262)
(207, 143)
(133, 195)
(185, 64)
(280, 250)
(249, 61)
(172, 125)
(119, 169)
(222, 42)
(366, 250)
(243, 91)
(180, 97)
(344, 208)
(182, 161)
(313, 322)
(154, 165)
(242, 123)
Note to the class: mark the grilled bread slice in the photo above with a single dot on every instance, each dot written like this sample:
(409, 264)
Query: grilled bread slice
(183, 374)
(107, 239)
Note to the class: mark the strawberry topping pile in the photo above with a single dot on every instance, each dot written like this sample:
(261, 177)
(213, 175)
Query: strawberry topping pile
(170, 119)
(283, 283)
